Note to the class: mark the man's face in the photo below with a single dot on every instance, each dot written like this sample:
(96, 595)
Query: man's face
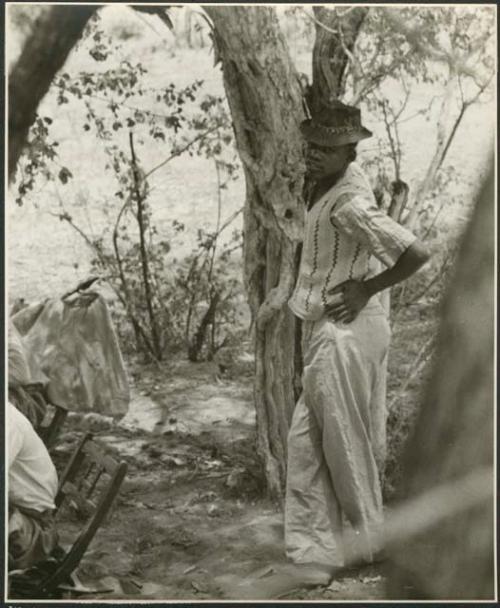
(324, 161)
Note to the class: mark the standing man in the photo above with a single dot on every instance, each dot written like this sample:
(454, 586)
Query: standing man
(336, 444)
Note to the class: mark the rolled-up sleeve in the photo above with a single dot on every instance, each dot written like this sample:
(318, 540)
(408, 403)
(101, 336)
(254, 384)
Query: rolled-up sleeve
(363, 221)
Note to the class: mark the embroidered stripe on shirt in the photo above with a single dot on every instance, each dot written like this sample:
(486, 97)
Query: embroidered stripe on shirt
(332, 268)
(316, 252)
(354, 259)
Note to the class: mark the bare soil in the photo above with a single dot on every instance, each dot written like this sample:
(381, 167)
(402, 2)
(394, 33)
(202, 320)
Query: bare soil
(191, 520)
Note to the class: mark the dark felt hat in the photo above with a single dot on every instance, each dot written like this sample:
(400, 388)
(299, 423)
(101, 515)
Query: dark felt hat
(335, 125)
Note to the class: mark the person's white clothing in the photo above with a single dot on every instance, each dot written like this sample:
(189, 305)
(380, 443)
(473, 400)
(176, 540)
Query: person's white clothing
(337, 438)
(32, 477)
(346, 236)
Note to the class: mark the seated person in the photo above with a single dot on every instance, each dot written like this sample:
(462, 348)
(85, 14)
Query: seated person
(29, 398)
(32, 487)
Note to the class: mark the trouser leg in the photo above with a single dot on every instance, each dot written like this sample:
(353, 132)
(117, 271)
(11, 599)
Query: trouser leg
(313, 521)
(31, 539)
(338, 384)
(378, 413)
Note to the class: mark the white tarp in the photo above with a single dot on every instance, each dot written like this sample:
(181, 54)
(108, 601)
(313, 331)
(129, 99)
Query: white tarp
(72, 346)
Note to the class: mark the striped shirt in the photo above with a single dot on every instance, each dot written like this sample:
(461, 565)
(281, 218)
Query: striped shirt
(346, 237)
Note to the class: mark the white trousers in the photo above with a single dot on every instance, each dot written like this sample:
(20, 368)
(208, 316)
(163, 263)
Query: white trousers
(336, 443)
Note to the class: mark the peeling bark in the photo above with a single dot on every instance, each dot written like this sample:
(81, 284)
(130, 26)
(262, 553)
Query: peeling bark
(335, 39)
(266, 103)
(264, 96)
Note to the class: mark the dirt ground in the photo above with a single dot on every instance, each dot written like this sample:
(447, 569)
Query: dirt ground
(191, 520)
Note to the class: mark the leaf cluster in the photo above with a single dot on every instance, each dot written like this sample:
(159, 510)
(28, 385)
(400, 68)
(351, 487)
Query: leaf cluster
(170, 302)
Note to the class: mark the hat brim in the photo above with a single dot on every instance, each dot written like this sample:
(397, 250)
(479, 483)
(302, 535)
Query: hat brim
(317, 135)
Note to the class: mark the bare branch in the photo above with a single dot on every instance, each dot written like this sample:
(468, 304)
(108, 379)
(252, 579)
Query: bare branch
(332, 52)
(182, 150)
(435, 52)
(394, 152)
(140, 199)
(319, 23)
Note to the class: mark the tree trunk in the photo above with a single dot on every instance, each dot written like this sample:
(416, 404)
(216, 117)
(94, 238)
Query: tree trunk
(264, 96)
(54, 34)
(453, 436)
(266, 105)
(334, 36)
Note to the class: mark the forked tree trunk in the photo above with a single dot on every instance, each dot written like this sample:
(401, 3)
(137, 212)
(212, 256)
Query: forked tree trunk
(266, 106)
(264, 96)
(335, 38)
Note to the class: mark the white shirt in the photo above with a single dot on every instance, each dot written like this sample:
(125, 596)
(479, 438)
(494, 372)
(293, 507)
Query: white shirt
(346, 237)
(32, 481)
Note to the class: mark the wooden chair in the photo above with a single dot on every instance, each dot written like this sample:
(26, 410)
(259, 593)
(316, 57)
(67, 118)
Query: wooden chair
(88, 485)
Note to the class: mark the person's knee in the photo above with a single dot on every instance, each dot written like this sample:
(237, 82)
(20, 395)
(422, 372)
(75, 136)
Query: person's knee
(30, 541)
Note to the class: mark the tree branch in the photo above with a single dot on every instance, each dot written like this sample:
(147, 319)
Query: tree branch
(144, 255)
(181, 150)
(54, 34)
(332, 52)
(414, 37)
(394, 151)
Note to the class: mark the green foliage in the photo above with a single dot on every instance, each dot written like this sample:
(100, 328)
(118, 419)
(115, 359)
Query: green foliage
(398, 48)
(171, 302)
(183, 289)
(39, 157)
(402, 42)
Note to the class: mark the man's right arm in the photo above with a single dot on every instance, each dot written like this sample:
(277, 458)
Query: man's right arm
(407, 264)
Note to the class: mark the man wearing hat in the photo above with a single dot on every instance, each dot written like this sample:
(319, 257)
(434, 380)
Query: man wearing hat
(336, 442)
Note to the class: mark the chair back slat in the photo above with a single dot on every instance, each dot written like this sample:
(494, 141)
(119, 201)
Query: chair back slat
(95, 481)
(101, 481)
(91, 466)
(99, 456)
(74, 498)
(75, 554)
(71, 469)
